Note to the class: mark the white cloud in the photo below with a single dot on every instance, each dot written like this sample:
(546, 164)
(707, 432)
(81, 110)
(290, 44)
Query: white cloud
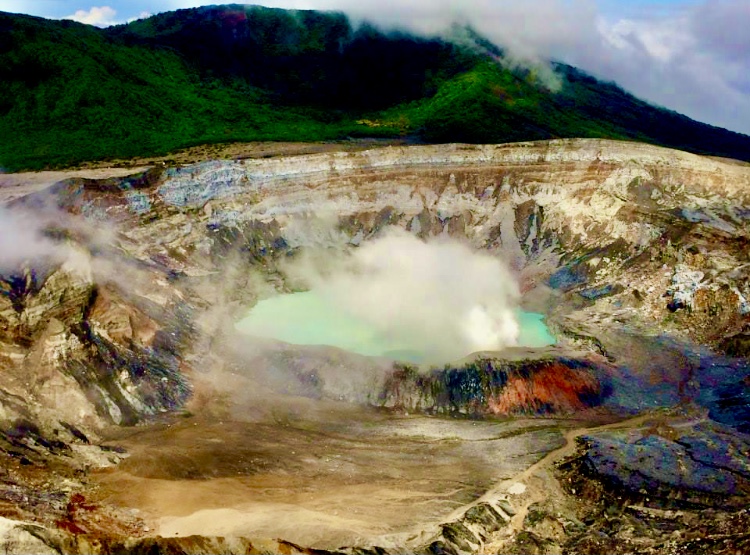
(660, 42)
(693, 57)
(142, 15)
(103, 16)
(695, 60)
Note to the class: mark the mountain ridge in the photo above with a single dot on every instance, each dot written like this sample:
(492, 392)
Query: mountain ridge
(71, 93)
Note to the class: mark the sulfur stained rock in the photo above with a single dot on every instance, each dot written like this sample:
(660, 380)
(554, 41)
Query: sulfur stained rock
(120, 321)
(489, 386)
(556, 388)
(115, 335)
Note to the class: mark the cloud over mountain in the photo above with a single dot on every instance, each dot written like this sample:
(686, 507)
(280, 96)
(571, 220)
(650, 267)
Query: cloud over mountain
(102, 16)
(693, 58)
(99, 16)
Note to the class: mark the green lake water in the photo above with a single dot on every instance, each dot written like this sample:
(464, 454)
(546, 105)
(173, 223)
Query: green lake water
(306, 318)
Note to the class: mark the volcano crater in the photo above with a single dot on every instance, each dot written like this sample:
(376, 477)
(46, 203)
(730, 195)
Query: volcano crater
(635, 255)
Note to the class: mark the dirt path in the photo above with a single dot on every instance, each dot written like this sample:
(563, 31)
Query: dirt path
(523, 489)
(15, 185)
(535, 492)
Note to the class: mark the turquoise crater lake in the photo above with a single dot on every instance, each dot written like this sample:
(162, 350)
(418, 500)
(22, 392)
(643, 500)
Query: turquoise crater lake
(306, 318)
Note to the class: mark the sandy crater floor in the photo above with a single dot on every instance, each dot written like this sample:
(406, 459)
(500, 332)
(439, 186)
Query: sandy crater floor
(346, 476)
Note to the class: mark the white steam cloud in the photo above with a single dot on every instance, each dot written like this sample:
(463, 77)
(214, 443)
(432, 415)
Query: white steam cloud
(22, 240)
(43, 235)
(440, 297)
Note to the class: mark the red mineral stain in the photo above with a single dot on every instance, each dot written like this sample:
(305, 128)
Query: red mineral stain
(555, 387)
(70, 522)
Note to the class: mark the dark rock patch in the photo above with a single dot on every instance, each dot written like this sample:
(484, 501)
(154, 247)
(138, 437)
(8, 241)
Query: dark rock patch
(699, 465)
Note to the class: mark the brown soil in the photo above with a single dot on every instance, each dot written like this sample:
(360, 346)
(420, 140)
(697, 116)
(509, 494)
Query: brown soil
(359, 478)
(239, 151)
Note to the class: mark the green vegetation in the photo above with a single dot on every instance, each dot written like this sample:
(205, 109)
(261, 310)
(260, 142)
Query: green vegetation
(68, 94)
(491, 104)
(71, 93)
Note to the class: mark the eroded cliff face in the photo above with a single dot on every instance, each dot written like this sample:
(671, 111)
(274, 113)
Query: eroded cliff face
(638, 255)
(612, 240)
(84, 352)
(660, 232)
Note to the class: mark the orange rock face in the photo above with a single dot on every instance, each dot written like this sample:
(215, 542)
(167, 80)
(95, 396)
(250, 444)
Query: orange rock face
(554, 388)
(498, 387)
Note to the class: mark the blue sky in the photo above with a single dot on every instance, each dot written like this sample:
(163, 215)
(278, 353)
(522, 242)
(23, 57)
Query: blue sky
(692, 56)
(127, 9)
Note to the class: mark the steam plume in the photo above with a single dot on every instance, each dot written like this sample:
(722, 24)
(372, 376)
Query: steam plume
(439, 297)
(22, 240)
